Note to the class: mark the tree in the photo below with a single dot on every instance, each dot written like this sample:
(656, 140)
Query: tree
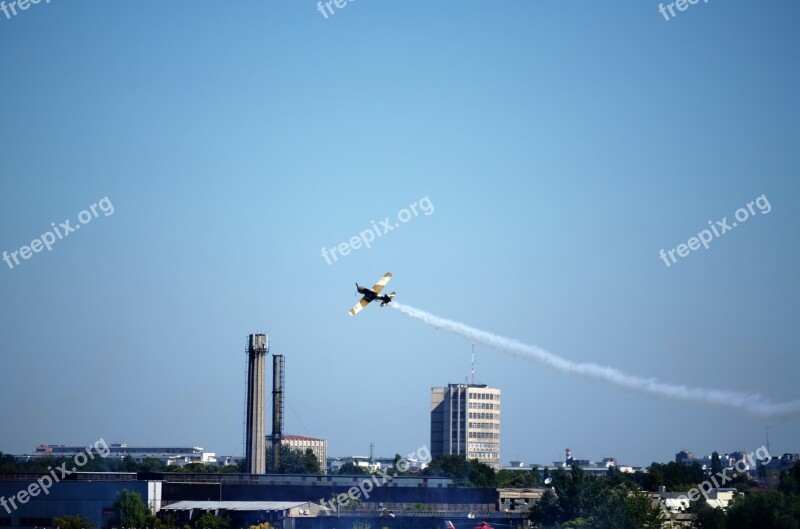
(166, 521)
(620, 508)
(130, 511)
(72, 522)
(294, 461)
(771, 510)
(397, 458)
(579, 500)
(151, 464)
(716, 464)
(350, 469)
(470, 473)
(578, 493)
(615, 477)
(8, 465)
(128, 465)
(209, 521)
(519, 479)
(707, 517)
(546, 512)
(789, 481)
(309, 462)
(232, 469)
(673, 476)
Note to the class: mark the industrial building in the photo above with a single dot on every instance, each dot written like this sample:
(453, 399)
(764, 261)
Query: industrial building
(92, 495)
(169, 455)
(465, 420)
(298, 442)
(243, 513)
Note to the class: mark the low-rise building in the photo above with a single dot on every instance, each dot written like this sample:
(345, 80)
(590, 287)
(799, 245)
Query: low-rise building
(517, 500)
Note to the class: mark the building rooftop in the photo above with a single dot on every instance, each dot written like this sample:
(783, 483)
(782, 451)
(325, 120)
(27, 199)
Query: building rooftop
(234, 505)
(298, 438)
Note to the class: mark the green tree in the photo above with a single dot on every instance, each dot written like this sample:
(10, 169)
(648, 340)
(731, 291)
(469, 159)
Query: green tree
(167, 521)
(546, 512)
(674, 476)
(397, 458)
(72, 522)
(518, 479)
(128, 465)
(294, 461)
(770, 510)
(309, 462)
(716, 464)
(465, 473)
(151, 464)
(130, 511)
(577, 492)
(579, 500)
(620, 508)
(707, 517)
(789, 482)
(209, 521)
(8, 465)
(351, 469)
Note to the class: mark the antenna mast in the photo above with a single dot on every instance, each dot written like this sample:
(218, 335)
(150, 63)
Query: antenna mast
(473, 363)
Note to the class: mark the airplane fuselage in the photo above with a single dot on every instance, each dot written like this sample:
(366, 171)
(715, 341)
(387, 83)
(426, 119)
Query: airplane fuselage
(370, 295)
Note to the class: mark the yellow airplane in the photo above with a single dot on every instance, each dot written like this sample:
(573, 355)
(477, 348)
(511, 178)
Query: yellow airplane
(371, 294)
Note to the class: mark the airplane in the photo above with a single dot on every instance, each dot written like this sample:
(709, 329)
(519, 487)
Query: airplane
(371, 294)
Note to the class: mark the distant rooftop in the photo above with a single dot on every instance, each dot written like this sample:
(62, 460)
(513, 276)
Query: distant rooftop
(234, 505)
(297, 438)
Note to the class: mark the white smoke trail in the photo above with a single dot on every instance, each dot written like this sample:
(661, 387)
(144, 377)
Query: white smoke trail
(751, 402)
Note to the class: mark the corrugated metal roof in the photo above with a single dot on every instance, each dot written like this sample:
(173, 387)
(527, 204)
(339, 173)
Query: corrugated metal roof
(234, 505)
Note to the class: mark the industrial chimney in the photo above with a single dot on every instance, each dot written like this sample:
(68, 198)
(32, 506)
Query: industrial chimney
(277, 411)
(255, 442)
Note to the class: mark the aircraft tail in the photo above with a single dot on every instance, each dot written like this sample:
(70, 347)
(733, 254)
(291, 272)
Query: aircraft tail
(387, 299)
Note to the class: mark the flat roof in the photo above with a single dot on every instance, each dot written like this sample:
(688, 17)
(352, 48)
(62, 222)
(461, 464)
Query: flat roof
(235, 505)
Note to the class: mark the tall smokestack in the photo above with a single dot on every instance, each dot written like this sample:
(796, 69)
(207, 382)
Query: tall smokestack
(255, 448)
(277, 411)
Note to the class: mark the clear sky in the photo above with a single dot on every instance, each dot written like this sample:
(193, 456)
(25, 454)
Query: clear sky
(562, 145)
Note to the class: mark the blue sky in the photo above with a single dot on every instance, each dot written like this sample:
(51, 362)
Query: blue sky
(562, 144)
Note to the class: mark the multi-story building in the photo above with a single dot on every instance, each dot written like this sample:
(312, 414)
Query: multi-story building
(299, 442)
(169, 455)
(465, 420)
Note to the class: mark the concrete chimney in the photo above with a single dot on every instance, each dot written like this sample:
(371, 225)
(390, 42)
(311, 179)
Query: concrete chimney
(255, 440)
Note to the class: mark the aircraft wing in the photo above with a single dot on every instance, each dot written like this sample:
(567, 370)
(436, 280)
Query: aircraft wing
(382, 283)
(360, 305)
